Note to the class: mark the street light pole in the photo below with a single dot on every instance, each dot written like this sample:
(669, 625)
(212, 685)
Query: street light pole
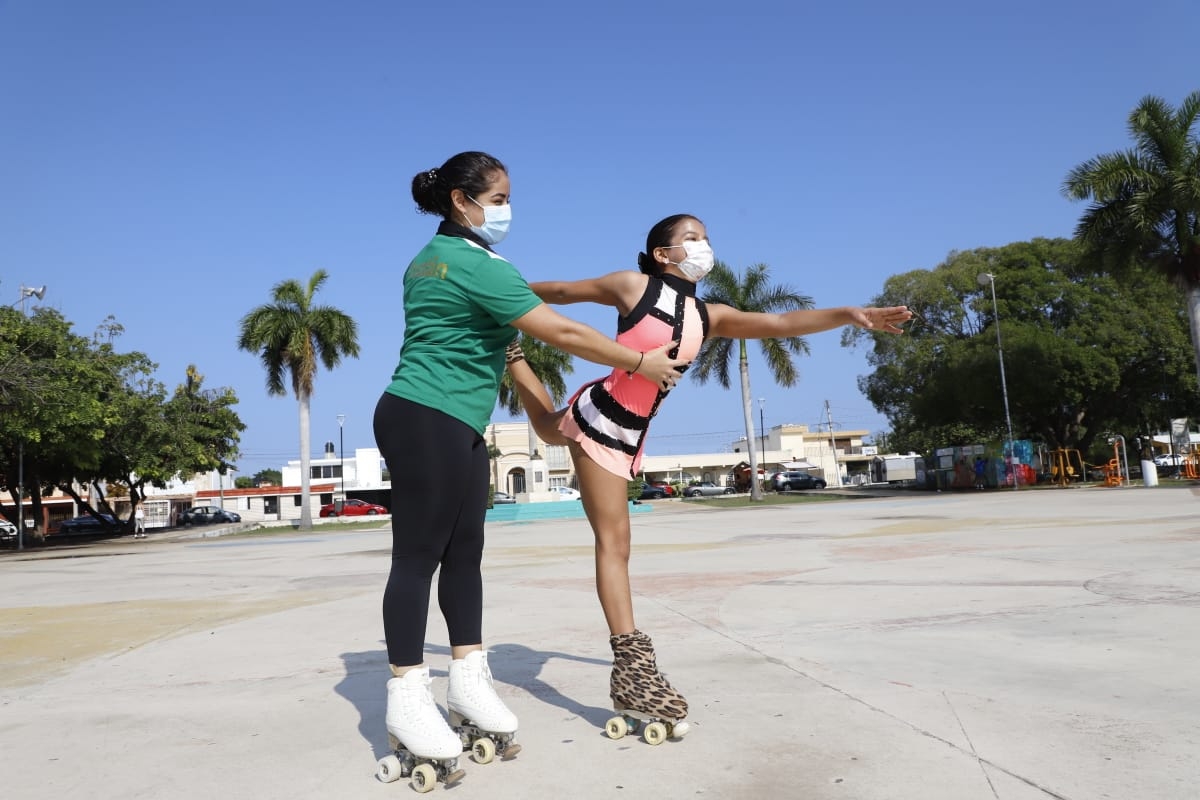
(21, 494)
(762, 428)
(990, 279)
(342, 451)
(40, 294)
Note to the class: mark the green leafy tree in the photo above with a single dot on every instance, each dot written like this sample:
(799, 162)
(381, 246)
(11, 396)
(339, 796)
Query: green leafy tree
(1082, 350)
(207, 429)
(53, 413)
(293, 336)
(1146, 201)
(268, 476)
(751, 291)
(81, 416)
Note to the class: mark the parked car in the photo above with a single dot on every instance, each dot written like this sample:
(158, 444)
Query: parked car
(650, 492)
(88, 524)
(707, 489)
(205, 515)
(1168, 460)
(795, 479)
(565, 492)
(353, 508)
(502, 499)
(666, 487)
(8, 533)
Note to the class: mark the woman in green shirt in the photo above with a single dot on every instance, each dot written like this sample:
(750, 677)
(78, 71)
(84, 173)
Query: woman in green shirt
(463, 304)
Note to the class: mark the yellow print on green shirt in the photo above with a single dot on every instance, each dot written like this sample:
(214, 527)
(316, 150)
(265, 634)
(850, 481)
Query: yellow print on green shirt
(429, 269)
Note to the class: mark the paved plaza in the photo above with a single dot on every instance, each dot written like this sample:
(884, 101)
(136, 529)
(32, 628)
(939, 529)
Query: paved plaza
(1013, 645)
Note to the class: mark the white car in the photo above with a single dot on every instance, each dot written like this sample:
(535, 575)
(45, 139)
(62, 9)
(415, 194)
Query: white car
(8, 532)
(565, 492)
(1168, 460)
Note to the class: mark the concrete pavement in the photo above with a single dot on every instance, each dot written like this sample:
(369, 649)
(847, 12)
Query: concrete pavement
(1023, 646)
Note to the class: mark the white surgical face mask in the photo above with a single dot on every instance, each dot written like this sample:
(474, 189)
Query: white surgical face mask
(698, 262)
(496, 220)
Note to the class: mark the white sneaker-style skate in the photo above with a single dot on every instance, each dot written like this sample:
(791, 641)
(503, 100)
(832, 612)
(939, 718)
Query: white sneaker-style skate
(477, 713)
(423, 745)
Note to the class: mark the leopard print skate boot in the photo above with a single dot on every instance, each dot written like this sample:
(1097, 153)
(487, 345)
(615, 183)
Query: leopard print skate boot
(640, 693)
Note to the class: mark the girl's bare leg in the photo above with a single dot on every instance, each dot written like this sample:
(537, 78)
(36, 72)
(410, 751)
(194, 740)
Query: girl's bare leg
(537, 403)
(606, 502)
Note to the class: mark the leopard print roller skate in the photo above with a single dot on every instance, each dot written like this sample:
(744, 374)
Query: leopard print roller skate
(641, 694)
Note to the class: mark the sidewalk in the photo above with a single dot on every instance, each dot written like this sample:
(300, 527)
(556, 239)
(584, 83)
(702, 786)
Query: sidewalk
(1021, 646)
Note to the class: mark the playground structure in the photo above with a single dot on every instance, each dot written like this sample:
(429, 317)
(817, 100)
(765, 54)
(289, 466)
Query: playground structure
(1190, 468)
(1067, 465)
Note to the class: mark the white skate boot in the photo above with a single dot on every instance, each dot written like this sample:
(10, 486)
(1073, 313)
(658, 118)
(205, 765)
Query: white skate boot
(422, 743)
(477, 713)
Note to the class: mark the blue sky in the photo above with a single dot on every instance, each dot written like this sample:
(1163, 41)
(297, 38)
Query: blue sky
(167, 163)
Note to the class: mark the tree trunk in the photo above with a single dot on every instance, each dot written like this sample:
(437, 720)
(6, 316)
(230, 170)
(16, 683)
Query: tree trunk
(305, 465)
(1193, 301)
(748, 412)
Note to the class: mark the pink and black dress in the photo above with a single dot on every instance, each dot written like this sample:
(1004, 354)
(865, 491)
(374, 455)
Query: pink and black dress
(609, 418)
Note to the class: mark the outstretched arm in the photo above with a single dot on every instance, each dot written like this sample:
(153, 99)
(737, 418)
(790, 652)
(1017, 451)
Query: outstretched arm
(618, 289)
(730, 323)
(548, 325)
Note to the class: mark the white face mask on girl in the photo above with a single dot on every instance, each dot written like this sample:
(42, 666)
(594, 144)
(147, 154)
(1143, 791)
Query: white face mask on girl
(496, 220)
(698, 262)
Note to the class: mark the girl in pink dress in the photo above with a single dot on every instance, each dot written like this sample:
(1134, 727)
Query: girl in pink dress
(604, 425)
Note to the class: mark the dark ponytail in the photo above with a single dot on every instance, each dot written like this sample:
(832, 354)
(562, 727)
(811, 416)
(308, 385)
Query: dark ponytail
(660, 236)
(473, 172)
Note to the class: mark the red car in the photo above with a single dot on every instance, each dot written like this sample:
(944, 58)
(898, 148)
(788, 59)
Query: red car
(352, 508)
(666, 487)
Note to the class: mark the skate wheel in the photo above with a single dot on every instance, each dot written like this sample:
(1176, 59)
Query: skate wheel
(388, 769)
(616, 728)
(655, 733)
(680, 730)
(424, 778)
(484, 751)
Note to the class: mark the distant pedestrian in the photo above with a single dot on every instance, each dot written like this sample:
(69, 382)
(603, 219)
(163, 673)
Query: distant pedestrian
(980, 472)
(139, 523)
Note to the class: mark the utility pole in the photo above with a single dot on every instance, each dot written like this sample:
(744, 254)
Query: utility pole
(837, 469)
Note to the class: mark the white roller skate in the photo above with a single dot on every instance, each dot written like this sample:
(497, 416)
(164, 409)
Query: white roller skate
(641, 694)
(423, 746)
(477, 713)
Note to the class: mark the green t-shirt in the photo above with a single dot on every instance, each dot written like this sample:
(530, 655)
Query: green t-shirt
(459, 299)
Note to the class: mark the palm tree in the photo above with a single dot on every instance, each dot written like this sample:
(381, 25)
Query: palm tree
(1146, 201)
(752, 292)
(550, 365)
(547, 362)
(292, 335)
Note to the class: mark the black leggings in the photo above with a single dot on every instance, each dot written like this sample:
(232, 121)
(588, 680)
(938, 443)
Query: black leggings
(439, 472)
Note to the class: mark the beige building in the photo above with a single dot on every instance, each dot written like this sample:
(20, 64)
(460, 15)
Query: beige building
(528, 468)
(835, 457)
(528, 465)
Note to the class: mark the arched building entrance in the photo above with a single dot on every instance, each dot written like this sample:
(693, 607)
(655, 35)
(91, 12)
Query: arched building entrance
(516, 481)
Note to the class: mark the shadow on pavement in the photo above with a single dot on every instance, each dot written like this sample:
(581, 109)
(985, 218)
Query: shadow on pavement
(364, 684)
